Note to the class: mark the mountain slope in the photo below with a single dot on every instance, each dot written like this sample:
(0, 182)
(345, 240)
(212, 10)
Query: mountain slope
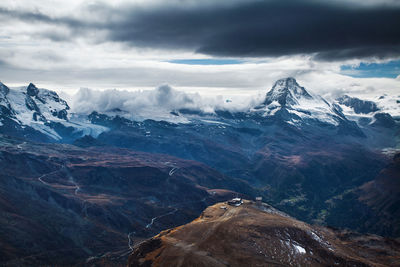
(258, 235)
(375, 204)
(60, 204)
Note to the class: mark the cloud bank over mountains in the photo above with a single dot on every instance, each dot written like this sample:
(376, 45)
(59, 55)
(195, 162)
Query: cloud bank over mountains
(152, 103)
(159, 102)
(134, 44)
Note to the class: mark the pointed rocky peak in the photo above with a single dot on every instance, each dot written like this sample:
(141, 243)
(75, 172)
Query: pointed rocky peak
(4, 89)
(32, 90)
(286, 92)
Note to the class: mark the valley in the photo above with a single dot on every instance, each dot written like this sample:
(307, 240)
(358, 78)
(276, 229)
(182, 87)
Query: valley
(60, 198)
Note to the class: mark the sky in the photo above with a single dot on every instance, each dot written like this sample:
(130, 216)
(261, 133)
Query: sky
(236, 47)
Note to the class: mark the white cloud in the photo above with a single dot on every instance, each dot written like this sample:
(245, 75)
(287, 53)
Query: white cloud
(156, 103)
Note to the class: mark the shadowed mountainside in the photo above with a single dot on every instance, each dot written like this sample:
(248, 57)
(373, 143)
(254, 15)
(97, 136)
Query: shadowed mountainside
(375, 205)
(61, 204)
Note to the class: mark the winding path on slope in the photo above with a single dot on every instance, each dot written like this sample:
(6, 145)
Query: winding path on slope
(160, 216)
(149, 225)
(70, 179)
(173, 170)
(46, 174)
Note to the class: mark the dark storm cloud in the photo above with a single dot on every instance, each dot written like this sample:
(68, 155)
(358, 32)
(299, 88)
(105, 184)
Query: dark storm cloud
(250, 29)
(379, 52)
(267, 28)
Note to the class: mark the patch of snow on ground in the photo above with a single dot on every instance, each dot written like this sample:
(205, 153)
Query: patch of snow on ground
(299, 249)
(316, 237)
(296, 248)
(390, 151)
(214, 122)
(320, 240)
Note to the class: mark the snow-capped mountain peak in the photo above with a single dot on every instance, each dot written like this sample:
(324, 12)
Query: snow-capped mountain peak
(286, 92)
(29, 109)
(288, 101)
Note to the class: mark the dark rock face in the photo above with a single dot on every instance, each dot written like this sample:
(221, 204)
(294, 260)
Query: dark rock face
(104, 120)
(384, 120)
(5, 107)
(359, 106)
(62, 114)
(87, 141)
(32, 90)
(31, 105)
(3, 90)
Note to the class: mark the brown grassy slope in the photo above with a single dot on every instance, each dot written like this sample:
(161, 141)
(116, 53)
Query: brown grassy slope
(252, 235)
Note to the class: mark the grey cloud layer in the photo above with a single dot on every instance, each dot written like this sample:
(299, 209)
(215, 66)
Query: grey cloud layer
(40, 17)
(334, 31)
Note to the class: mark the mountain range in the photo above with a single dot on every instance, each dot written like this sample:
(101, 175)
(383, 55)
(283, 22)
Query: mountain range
(43, 115)
(93, 185)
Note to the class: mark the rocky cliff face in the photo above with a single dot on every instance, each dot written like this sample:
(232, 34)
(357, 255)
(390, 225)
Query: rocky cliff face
(258, 235)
